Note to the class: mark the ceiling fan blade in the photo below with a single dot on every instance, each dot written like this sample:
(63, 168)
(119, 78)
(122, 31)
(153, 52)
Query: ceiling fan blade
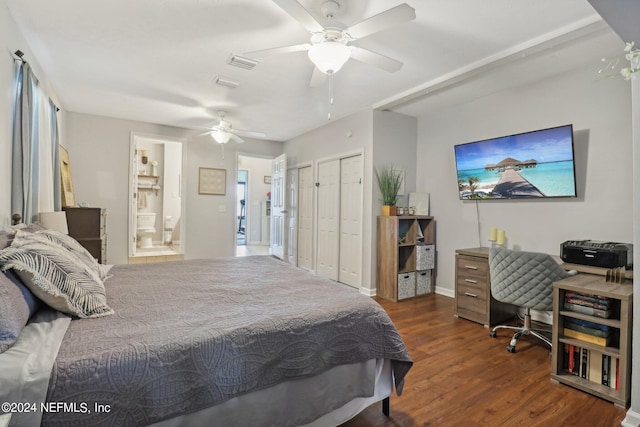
(317, 78)
(206, 133)
(277, 51)
(394, 16)
(370, 57)
(249, 134)
(236, 138)
(300, 14)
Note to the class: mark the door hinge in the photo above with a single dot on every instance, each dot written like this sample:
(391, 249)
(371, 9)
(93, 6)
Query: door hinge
(317, 184)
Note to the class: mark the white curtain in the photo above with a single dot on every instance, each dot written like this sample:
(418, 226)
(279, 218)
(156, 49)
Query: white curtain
(35, 185)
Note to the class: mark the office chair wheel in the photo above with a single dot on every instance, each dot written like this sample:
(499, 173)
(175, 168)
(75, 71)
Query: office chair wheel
(511, 348)
(492, 334)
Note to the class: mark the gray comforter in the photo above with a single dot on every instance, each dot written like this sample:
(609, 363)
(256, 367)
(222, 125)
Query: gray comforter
(187, 335)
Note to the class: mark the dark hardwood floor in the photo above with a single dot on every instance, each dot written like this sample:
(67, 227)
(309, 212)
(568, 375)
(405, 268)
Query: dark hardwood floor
(462, 377)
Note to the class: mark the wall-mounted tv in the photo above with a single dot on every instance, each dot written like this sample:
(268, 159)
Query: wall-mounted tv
(529, 165)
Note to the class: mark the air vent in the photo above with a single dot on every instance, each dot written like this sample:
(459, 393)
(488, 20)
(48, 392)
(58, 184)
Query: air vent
(242, 62)
(223, 81)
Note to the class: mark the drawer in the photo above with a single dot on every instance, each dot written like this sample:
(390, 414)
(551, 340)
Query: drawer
(472, 267)
(423, 282)
(425, 257)
(469, 300)
(406, 285)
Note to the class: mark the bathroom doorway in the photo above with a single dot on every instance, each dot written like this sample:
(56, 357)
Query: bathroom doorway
(156, 229)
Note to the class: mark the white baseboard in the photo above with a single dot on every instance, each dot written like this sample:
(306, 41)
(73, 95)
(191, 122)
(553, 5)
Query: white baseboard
(368, 292)
(445, 291)
(631, 420)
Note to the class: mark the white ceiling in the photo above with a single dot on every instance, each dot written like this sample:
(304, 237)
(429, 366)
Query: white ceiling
(156, 60)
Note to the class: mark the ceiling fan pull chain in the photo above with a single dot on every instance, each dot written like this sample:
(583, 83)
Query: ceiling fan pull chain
(330, 95)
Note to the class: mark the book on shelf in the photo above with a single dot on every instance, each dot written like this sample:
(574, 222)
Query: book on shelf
(595, 367)
(571, 333)
(592, 365)
(584, 363)
(594, 301)
(606, 369)
(587, 327)
(577, 308)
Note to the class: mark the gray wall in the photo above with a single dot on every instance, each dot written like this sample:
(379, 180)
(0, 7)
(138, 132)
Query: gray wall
(600, 111)
(385, 138)
(99, 150)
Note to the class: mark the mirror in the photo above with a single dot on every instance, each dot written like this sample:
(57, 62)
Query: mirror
(156, 228)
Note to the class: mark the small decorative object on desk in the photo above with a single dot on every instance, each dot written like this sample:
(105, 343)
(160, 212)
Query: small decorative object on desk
(615, 275)
(412, 210)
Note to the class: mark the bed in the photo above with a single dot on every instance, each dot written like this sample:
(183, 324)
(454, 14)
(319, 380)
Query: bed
(241, 341)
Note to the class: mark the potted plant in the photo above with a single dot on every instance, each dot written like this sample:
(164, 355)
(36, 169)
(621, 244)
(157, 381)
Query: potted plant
(389, 182)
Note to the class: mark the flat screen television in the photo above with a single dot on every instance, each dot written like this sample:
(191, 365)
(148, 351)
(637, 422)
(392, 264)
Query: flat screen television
(537, 164)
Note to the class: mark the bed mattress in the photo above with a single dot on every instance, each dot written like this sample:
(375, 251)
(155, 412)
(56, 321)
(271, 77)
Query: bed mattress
(192, 334)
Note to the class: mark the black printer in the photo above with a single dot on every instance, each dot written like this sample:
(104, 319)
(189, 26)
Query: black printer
(597, 254)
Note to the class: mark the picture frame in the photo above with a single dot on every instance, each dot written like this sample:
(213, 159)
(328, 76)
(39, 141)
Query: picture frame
(212, 181)
(66, 184)
(267, 179)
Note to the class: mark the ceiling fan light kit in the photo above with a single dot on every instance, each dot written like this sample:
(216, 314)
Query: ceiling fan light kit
(329, 56)
(221, 136)
(330, 46)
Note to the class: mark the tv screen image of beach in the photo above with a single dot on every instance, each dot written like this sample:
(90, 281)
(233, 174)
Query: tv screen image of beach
(535, 164)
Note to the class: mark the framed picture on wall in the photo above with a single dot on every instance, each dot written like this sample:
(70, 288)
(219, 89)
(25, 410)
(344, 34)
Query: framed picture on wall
(66, 185)
(267, 179)
(212, 181)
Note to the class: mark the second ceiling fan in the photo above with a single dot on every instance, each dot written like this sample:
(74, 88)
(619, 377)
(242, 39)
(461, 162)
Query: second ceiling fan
(330, 46)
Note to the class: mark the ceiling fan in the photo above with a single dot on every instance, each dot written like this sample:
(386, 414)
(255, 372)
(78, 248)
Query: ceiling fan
(330, 46)
(224, 131)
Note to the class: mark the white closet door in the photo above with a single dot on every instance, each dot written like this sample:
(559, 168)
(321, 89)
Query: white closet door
(292, 222)
(351, 221)
(278, 210)
(328, 219)
(305, 217)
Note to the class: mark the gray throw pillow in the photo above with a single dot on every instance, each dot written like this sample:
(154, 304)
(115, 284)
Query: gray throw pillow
(17, 305)
(57, 277)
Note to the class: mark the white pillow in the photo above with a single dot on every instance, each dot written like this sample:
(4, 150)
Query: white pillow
(68, 243)
(57, 277)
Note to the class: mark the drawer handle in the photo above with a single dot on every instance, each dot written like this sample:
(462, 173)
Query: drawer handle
(470, 281)
(471, 267)
(471, 295)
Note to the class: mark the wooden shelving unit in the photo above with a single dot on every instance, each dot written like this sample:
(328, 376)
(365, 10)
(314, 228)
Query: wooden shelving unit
(621, 296)
(405, 256)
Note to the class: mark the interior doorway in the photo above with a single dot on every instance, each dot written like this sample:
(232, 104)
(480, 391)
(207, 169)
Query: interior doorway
(241, 211)
(252, 216)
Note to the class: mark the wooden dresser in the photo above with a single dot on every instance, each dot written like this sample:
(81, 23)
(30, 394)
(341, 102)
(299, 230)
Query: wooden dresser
(473, 289)
(88, 227)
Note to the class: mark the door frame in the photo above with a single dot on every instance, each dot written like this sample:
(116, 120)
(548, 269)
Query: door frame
(249, 189)
(134, 136)
(297, 167)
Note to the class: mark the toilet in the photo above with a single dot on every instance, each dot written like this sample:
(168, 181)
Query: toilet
(146, 229)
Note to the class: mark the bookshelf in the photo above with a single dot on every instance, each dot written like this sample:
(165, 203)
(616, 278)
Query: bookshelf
(589, 365)
(405, 256)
